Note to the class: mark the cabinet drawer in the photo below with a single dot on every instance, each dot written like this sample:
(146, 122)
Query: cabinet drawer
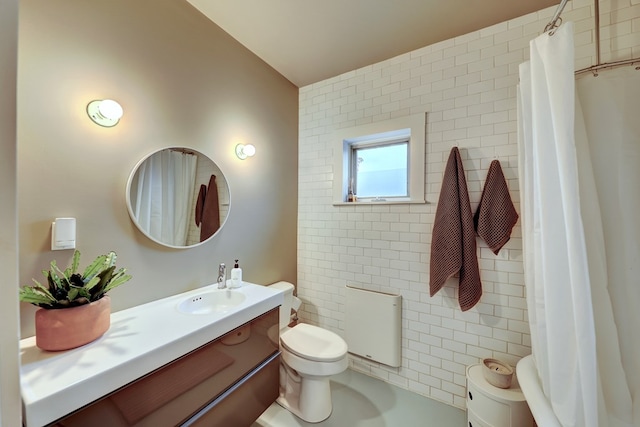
(495, 407)
(474, 421)
(246, 402)
(489, 411)
(171, 394)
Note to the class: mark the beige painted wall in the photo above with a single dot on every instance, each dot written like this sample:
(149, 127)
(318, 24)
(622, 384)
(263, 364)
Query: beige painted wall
(9, 386)
(181, 81)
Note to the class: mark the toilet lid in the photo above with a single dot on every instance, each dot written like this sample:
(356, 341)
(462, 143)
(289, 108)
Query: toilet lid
(314, 343)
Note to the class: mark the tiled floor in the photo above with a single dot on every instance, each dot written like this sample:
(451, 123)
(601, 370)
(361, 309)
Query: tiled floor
(363, 401)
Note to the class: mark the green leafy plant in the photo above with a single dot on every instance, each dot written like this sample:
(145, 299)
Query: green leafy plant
(69, 288)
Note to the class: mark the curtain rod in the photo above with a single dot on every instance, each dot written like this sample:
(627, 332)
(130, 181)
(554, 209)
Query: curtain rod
(596, 28)
(594, 68)
(183, 150)
(552, 24)
(599, 65)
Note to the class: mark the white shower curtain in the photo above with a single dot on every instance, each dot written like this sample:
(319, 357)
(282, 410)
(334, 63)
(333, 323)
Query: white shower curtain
(610, 105)
(164, 201)
(574, 338)
(555, 256)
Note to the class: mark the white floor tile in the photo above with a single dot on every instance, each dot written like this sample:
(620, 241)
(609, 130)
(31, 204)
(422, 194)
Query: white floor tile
(363, 401)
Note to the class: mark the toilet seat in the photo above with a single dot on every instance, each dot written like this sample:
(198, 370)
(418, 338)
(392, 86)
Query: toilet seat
(314, 343)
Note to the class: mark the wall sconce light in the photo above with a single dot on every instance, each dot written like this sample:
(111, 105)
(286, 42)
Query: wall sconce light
(245, 150)
(105, 112)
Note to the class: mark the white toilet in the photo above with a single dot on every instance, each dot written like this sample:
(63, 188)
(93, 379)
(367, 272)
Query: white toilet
(310, 355)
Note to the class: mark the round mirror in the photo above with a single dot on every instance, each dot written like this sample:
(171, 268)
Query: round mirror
(177, 197)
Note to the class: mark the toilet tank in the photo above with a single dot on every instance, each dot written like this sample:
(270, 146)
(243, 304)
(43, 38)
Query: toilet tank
(285, 309)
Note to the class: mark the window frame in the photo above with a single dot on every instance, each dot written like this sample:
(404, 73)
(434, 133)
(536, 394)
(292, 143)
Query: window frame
(411, 128)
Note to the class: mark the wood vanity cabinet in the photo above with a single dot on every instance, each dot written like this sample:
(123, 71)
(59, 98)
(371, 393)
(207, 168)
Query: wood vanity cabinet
(227, 382)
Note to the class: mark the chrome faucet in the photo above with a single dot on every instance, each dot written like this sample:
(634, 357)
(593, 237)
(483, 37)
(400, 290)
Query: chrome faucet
(222, 276)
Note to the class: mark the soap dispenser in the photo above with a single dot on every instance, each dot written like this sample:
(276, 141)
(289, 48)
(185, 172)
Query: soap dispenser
(236, 276)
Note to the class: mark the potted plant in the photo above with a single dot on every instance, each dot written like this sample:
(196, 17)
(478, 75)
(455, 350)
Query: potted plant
(74, 308)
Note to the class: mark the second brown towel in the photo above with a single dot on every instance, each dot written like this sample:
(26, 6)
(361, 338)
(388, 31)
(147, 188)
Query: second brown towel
(210, 211)
(453, 244)
(495, 216)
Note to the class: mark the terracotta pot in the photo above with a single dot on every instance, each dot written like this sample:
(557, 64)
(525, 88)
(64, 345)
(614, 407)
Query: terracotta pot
(66, 328)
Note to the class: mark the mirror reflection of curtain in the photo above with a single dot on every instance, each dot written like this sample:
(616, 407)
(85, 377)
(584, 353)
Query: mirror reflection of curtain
(164, 195)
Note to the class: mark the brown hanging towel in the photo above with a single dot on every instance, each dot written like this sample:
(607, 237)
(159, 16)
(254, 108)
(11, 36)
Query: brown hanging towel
(453, 243)
(200, 203)
(495, 215)
(210, 211)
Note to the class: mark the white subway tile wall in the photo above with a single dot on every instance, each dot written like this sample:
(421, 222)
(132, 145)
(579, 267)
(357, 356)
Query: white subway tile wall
(467, 87)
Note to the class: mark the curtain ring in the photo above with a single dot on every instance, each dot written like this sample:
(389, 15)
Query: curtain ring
(551, 26)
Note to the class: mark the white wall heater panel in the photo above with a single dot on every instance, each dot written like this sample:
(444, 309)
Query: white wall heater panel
(373, 325)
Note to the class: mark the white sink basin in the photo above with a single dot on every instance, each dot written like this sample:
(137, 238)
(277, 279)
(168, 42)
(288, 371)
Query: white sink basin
(215, 301)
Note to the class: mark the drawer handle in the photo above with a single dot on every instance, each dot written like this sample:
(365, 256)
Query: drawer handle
(470, 396)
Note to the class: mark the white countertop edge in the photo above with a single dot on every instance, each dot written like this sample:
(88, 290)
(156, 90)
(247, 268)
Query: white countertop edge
(140, 339)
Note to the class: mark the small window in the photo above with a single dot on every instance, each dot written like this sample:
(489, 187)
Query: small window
(379, 170)
(380, 162)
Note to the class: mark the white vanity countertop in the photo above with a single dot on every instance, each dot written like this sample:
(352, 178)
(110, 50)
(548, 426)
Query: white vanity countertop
(140, 339)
